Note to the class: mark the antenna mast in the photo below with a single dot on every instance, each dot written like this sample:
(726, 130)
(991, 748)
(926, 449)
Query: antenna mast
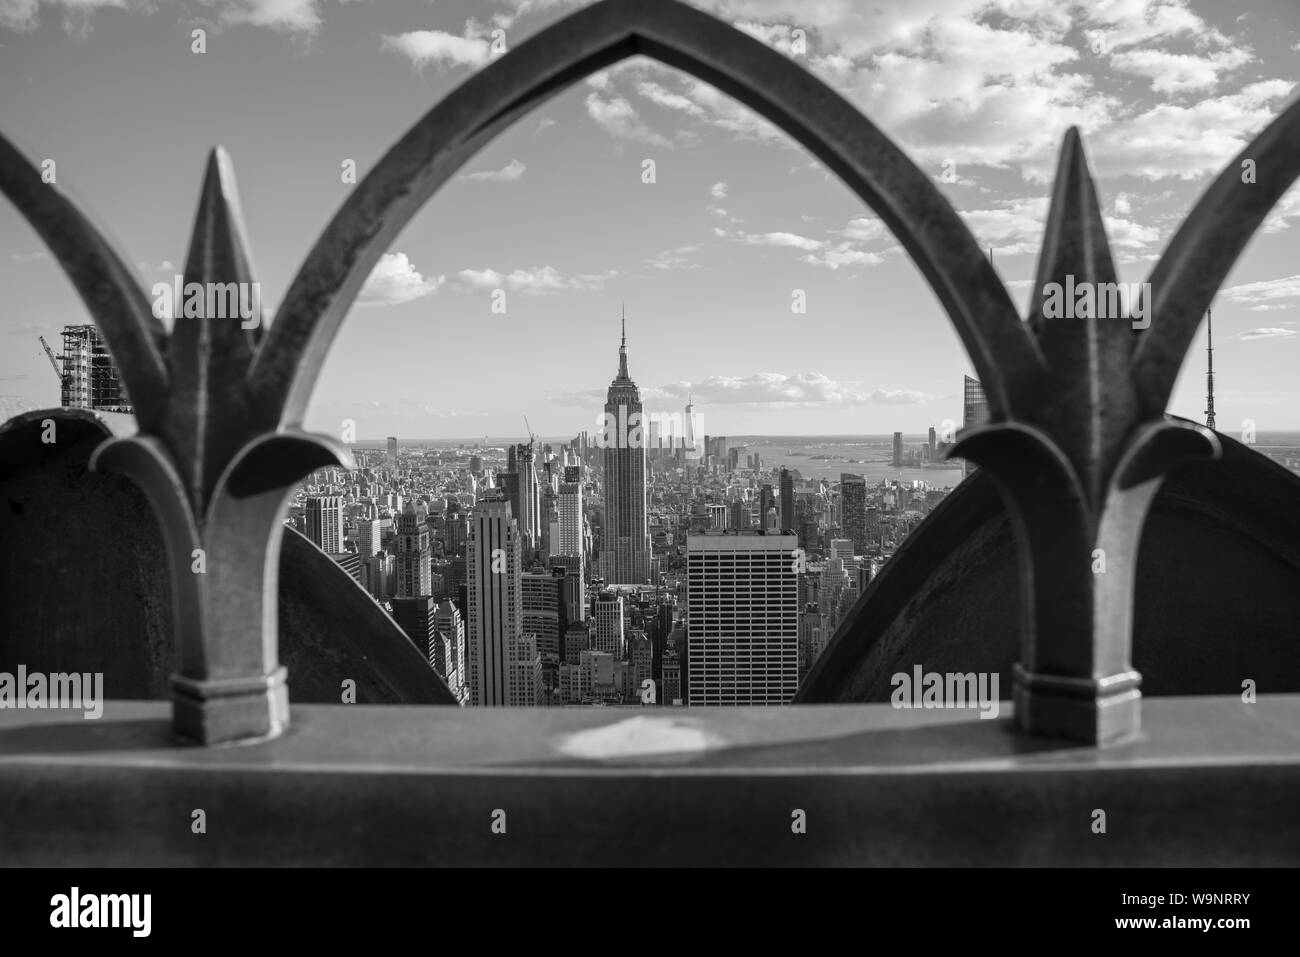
(1209, 369)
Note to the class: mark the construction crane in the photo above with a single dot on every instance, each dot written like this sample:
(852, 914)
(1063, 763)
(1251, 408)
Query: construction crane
(532, 436)
(53, 361)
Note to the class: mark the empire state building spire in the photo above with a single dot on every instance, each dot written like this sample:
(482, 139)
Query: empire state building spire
(622, 350)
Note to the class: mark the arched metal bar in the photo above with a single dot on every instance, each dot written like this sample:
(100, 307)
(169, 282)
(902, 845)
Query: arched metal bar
(106, 284)
(287, 363)
(1205, 248)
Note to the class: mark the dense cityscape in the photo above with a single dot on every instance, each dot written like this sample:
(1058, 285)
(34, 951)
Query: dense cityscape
(640, 563)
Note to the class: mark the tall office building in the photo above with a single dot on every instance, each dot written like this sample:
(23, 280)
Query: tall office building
(415, 615)
(368, 537)
(324, 517)
(543, 610)
(413, 554)
(449, 623)
(527, 504)
(853, 510)
(742, 596)
(766, 502)
(898, 450)
(391, 459)
(90, 379)
(975, 411)
(607, 612)
(625, 557)
(494, 599)
(787, 501)
(836, 594)
(525, 664)
(571, 514)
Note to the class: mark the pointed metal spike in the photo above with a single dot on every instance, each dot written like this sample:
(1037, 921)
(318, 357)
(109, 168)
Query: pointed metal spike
(1074, 241)
(211, 350)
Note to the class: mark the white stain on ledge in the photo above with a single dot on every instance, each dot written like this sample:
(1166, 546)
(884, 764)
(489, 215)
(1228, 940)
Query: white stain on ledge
(638, 736)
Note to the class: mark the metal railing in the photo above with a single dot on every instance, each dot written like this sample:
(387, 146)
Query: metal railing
(1078, 441)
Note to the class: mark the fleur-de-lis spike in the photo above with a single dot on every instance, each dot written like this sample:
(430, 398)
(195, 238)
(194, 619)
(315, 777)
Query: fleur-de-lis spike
(209, 353)
(1081, 351)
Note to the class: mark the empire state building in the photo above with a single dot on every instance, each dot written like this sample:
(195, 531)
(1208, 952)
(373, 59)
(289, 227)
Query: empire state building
(625, 556)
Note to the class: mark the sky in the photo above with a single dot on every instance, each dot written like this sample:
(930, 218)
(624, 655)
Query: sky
(705, 259)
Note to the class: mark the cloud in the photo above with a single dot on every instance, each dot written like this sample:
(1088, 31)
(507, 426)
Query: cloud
(394, 280)
(675, 258)
(1184, 142)
(509, 173)
(286, 16)
(1264, 292)
(718, 190)
(616, 116)
(1268, 333)
(768, 389)
(812, 389)
(1287, 208)
(541, 280)
(18, 14)
(444, 50)
(843, 254)
(1180, 72)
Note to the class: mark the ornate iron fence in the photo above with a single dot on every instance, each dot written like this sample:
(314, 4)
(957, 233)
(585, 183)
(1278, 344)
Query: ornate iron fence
(1078, 441)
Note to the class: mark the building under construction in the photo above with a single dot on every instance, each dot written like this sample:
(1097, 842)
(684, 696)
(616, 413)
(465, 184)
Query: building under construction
(90, 380)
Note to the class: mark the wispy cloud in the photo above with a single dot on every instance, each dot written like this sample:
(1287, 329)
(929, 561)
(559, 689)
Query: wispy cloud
(539, 280)
(678, 258)
(616, 116)
(1268, 333)
(1265, 292)
(509, 173)
(767, 389)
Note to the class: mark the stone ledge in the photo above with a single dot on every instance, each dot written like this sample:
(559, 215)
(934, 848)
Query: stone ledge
(1211, 781)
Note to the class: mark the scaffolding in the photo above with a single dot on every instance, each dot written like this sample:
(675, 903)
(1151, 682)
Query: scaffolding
(90, 380)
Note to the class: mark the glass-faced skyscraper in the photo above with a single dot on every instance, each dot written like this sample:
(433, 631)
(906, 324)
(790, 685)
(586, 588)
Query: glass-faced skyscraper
(625, 556)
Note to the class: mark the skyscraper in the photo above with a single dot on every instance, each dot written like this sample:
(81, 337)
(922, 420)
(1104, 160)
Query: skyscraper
(570, 508)
(324, 518)
(494, 600)
(975, 411)
(543, 606)
(391, 459)
(766, 502)
(607, 611)
(853, 510)
(413, 554)
(898, 450)
(447, 617)
(625, 557)
(787, 501)
(368, 540)
(527, 505)
(742, 598)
